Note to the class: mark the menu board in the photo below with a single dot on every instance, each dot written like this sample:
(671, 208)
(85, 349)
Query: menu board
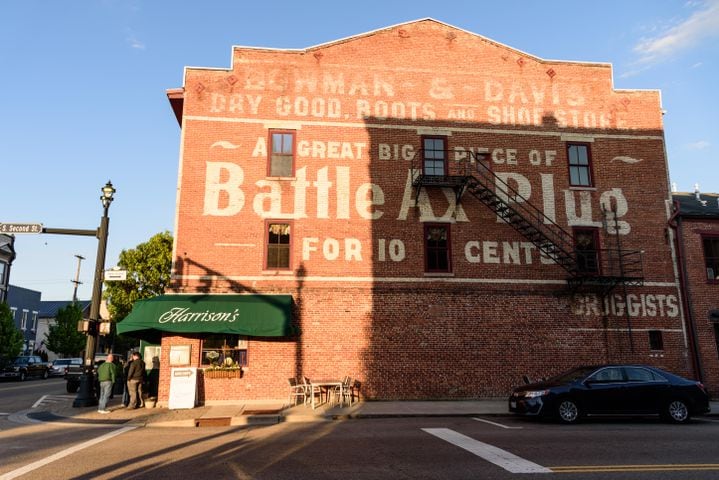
(183, 388)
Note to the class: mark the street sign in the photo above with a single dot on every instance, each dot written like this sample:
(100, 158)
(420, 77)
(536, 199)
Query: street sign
(20, 228)
(115, 275)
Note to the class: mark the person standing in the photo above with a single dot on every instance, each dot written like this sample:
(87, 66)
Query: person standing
(106, 374)
(135, 377)
(125, 389)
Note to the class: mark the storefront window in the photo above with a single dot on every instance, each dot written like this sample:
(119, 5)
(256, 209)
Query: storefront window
(224, 350)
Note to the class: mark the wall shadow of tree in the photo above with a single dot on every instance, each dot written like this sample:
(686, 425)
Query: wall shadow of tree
(212, 281)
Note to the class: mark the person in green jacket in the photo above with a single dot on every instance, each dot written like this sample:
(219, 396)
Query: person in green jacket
(106, 374)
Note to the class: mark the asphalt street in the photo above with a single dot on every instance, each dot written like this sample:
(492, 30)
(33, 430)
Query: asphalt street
(491, 447)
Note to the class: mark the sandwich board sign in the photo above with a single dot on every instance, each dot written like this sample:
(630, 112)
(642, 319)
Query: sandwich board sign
(183, 388)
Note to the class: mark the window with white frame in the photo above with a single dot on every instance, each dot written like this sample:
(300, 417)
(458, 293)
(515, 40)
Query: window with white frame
(34, 321)
(23, 320)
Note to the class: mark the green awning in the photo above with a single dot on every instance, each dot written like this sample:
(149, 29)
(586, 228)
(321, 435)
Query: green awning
(250, 315)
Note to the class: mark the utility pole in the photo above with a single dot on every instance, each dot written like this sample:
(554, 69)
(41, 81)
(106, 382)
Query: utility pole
(77, 281)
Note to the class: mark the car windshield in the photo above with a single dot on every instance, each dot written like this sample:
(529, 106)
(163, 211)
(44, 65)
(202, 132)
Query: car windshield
(20, 361)
(573, 375)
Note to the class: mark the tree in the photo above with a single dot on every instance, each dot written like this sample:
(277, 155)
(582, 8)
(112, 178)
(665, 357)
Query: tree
(148, 274)
(63, 337)
(10, 336)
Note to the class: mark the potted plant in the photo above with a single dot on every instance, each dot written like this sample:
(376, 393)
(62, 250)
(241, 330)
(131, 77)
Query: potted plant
(228, 368)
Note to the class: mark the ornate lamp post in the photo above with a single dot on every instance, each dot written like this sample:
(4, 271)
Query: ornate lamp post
(86, 394)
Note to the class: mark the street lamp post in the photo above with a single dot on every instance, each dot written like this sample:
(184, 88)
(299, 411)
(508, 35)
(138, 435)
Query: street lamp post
(86, 394)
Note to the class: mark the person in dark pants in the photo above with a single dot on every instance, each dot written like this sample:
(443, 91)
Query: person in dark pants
(125, 390)
(135, 379)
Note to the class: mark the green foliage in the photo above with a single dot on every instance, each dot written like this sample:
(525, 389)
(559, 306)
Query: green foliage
(148, 273)
(63, 337)
(41, 353)
(10, 336)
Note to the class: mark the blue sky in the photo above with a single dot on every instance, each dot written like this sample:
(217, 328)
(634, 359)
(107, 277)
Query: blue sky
(82, 94)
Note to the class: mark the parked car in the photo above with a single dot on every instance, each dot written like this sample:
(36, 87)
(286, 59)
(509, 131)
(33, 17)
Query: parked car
(612, 390)
(75, 370)
(60, 366)
(24, 367)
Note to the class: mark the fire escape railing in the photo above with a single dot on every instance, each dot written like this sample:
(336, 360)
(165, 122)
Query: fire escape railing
(609, 267)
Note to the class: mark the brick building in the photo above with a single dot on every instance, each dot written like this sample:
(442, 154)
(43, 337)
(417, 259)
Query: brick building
(436, 224)
(696, 222)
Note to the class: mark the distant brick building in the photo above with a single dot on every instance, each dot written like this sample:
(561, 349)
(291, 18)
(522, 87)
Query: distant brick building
(442, 222)
(696, 221)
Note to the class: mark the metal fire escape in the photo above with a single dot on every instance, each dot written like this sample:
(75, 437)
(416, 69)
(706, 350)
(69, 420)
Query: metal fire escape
(600, 269)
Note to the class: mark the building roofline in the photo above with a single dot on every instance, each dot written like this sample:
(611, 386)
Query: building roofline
(176, 95)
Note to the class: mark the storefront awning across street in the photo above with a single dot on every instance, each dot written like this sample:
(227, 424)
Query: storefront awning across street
(250, 315)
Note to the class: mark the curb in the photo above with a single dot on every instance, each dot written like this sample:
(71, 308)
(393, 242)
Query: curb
(203, 418)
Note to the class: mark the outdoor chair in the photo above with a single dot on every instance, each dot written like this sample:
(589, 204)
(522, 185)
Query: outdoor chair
(297, 391)
(352, 391)
(336, 391)
(311, 391)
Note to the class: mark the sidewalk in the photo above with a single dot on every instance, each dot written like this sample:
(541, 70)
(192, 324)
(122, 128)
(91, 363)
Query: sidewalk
(272, 412)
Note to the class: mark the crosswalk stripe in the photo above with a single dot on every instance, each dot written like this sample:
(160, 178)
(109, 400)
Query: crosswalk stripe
(497, 456)
(45, 461)
(496, 424)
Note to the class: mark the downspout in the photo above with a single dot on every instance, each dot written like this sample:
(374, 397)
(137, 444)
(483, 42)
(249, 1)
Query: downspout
(675, 222)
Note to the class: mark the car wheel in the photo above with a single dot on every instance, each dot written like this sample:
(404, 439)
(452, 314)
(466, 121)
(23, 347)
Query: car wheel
(568, 411)
(677, 411)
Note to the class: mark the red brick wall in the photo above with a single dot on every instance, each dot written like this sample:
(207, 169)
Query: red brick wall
(703, 295)
(380, 318)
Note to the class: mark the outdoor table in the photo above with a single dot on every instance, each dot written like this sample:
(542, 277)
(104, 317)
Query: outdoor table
(326, 384)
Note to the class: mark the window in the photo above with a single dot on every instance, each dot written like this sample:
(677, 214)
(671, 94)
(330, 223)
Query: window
(608, 375)
(13, 311)
(23, 320)
(580, 165)
(433, 153)
(278, 245)
(437, 248)
(636, 374)
(227, 350)
(656, 342)
(586, 243)
(34, 321)
(282, 153)
(711, 257)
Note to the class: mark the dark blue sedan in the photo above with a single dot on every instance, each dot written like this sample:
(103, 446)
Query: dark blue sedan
(612, 390)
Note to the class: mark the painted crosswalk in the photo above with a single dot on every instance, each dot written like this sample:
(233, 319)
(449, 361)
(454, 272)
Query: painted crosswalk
(502, 458)
(48, 400)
